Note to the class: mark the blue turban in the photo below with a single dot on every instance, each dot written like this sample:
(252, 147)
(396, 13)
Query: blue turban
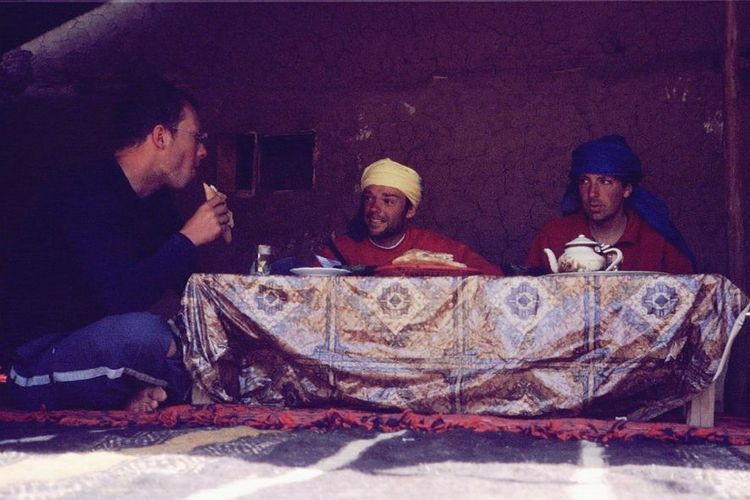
(611, 155)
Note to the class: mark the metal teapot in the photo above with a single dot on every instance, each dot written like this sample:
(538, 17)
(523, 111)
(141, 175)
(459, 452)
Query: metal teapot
(583, 254)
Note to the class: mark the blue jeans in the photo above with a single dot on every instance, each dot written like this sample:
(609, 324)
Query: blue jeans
(100, 366)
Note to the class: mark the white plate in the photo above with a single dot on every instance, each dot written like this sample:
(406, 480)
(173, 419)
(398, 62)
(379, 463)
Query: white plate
(319, 271)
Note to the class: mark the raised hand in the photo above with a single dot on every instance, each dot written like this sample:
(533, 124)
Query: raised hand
(208, 222)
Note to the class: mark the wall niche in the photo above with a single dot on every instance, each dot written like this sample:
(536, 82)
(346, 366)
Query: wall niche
(249, 164)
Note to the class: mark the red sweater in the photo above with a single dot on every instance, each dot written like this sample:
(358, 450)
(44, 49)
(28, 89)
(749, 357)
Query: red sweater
(643, 249)
(367, 254)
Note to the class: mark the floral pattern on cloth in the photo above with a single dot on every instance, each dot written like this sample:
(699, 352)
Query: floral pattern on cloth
(597, 345)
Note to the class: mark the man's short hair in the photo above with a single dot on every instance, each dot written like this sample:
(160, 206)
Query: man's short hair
(146, 103)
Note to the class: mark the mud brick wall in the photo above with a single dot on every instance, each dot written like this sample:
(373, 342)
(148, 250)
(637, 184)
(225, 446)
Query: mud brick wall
(485, 100)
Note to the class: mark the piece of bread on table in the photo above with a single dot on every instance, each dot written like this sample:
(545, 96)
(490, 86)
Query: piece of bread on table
(423, 257)
(210, 191)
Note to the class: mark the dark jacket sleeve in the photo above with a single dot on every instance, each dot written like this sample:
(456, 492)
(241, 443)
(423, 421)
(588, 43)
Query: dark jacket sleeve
(125, 274)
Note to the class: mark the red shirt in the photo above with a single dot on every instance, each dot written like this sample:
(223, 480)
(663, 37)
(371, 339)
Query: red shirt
(643, 249)
(367, 254)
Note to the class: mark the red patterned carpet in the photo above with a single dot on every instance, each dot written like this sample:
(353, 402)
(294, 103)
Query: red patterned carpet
(728, 431)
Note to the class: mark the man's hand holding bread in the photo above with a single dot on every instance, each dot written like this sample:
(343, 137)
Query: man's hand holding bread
(212, 219)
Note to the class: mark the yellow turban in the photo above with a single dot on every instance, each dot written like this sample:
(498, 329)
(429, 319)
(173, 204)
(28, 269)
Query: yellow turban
(387, 172)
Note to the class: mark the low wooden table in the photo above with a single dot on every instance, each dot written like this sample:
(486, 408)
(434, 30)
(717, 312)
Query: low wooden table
(700, 412)
(631, 345)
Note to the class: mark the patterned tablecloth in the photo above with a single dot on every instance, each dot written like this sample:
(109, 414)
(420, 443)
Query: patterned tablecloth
(594, 344)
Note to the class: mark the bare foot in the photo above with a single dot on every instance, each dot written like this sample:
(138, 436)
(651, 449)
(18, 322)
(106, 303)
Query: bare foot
(146, 400)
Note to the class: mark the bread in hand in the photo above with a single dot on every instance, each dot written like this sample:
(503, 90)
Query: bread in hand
(210, 191)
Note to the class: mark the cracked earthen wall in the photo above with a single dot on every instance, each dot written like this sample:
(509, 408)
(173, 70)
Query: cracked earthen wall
(486, 101)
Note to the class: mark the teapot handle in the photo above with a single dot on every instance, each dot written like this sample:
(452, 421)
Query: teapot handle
(618, 257)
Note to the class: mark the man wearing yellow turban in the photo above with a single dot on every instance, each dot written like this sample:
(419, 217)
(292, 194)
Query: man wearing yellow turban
(379, 233)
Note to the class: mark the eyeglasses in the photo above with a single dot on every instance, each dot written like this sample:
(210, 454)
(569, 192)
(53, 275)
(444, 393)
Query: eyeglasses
(200, 137)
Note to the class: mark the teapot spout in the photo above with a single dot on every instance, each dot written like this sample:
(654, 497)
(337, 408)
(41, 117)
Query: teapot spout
(552, 260)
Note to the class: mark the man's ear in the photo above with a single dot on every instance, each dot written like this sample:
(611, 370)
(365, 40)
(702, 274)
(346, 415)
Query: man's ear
(627, 191)
(160, 136)
(411, 212)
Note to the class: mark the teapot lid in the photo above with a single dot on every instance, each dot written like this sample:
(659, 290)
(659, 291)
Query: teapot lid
(581, 240)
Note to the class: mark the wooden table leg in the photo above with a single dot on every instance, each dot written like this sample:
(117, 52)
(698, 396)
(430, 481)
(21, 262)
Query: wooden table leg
(701, 409)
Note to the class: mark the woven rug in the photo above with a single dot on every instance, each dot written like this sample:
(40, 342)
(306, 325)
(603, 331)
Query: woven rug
(728, 431)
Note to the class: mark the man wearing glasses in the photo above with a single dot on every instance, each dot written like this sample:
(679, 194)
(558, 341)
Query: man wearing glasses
(100, 247)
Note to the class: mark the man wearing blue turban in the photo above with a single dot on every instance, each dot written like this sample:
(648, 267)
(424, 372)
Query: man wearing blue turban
(604, 202)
